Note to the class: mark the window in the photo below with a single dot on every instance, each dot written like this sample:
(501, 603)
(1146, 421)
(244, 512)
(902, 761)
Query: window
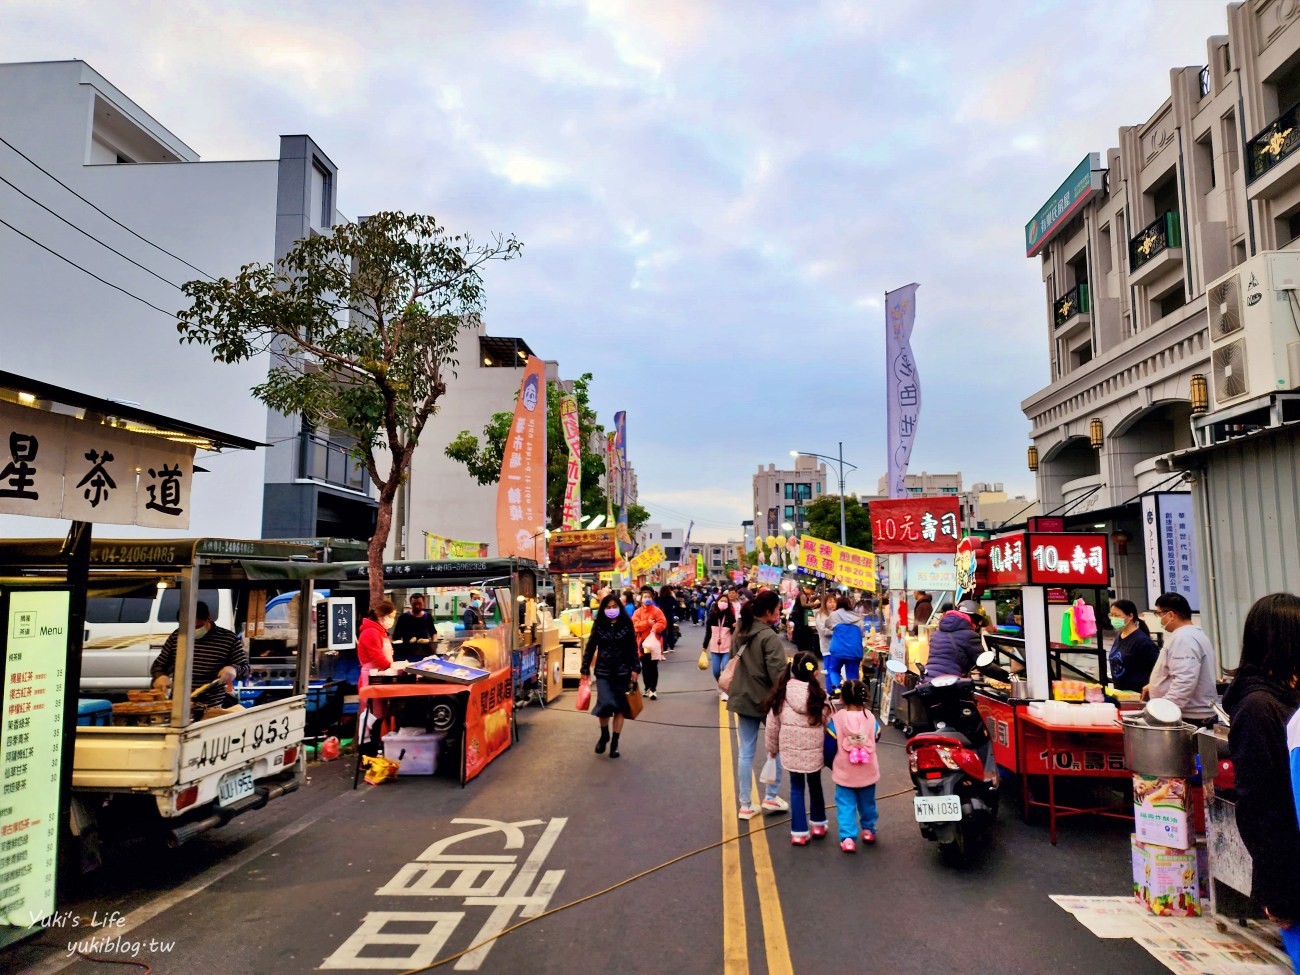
(1288, 227)
(1106, 250)
(789, 492)
(118, 609)
(1171, 301)
(717, 562)
(1082, 355)
(1203, 163)
(169, 608)
(321, 203)
(819, 488)
(948, 490)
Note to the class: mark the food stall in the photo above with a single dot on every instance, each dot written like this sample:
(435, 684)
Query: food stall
(464, 693)
(577, 554)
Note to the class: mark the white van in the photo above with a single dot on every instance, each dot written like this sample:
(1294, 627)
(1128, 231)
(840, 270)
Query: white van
(125, 634)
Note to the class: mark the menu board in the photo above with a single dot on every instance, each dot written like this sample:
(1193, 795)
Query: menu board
(35, 651)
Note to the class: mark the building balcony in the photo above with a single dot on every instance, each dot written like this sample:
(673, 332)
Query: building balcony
(1271, 167)
(1156, 246)
(1073, 304)
(330, 462)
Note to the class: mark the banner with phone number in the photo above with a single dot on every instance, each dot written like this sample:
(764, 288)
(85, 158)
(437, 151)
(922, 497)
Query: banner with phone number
(851, 566)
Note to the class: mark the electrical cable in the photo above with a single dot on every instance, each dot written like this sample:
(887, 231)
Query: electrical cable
(87, 233)
(68, 260)
(102, 212)
(116, 961)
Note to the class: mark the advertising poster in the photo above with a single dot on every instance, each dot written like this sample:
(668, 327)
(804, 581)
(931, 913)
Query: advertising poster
(1169, 539)
(580, 552)
(851, 566)
(487, 721)
(933, 572)
(521, 491)
(437, 548)
(647, 560)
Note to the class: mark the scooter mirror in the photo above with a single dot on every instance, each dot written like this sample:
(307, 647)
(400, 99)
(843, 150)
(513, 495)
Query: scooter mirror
(985, 658)
(896, 666)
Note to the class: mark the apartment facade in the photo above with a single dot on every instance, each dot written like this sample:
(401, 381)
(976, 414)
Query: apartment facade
(178, 217)
(985, 507)
(1129, 247)
(781, 496)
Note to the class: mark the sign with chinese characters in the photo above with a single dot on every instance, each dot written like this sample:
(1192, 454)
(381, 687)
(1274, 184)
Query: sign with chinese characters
(902, 385)
(56, 466)
(487, 721)
(851, 566)
(1078, 187)
(916, 525)
(521, 491)
(477, 871)
(932, 571)
(35, 653)
(583, 551)
(437, 547)
(1170, 541)
(1037, 559)
(572, 512)
(647, 560)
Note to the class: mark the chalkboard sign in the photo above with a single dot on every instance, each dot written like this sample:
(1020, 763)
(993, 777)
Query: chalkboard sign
(341, 611)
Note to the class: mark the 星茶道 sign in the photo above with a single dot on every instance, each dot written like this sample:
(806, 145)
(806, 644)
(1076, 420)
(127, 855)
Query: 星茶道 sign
(57, 466)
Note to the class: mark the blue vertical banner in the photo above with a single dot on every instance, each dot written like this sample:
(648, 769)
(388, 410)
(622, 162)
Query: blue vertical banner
(902, 385)
(620, 445)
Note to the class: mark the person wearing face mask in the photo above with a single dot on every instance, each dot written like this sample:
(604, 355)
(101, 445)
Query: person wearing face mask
(219, 656)
(472, 618)
(1134, 653)
(650, 623)
(618, 663)
(374, 649)
(718, 631)
(1185, 672)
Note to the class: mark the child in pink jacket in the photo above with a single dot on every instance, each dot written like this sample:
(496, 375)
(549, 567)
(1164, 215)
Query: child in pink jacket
(855, 770)
(796, 730)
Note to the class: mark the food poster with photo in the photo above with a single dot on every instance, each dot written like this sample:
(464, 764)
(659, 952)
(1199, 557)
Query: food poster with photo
(521, 490)
(488, 714)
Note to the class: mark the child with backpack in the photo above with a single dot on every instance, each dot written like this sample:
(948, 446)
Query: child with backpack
(855, 770)
(796, 730)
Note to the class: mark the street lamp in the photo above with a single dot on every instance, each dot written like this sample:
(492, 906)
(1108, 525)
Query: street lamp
(596, 521)
(841, 463)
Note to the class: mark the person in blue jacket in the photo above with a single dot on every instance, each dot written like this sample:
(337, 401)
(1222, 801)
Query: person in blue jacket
(844, 655)
(956, 645)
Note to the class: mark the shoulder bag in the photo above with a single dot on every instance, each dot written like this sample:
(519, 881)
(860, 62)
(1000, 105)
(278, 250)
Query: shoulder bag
(729, 671)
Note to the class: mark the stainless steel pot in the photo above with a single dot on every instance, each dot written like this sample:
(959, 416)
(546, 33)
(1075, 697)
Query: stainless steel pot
(1020, 690)
(1161, 750)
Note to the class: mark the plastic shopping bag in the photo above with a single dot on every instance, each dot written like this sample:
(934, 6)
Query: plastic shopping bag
(768, 775)
(704, 660)
(1085, 620)
(584, 694)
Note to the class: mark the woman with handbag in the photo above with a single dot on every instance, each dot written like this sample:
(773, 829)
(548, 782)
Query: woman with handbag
(758, 661)
(613, 644)
(650, 624)
(718, 633)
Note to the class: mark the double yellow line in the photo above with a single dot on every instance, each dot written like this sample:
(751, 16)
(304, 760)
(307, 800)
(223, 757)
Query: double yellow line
(735, 943)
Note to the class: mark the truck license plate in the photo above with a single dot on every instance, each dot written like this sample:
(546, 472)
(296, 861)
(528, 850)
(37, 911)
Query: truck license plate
(937, 809)
(234, 786)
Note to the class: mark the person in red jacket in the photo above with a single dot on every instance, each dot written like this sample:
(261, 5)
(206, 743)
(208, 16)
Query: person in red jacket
(648, 621)
(374, 648)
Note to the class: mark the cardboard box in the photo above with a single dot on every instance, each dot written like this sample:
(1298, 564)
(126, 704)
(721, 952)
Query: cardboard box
(1160, 812)
(1166, 881)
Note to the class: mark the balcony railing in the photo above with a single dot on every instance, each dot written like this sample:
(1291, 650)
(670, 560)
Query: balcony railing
(1073, 302)
(1162, 233)
(327, 461)
(1278, 140)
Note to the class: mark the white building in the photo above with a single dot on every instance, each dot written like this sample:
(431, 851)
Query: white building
(781, 496)
(62, 326)
(985, 507)
(670, 539)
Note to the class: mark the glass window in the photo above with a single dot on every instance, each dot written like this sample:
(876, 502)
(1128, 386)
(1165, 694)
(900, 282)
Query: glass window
(104, 609)
(169, 609)
(789, 511)
(135, 609)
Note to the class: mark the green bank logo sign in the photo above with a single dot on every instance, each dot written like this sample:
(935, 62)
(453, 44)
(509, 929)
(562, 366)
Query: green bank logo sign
(1065, 202)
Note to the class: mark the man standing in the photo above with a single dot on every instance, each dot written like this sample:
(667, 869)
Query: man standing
(217, 654)
(922, 610)
(414, 632)
(1185, 670)
(472, 617)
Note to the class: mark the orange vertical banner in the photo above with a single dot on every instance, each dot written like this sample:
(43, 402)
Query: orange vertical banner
(521, 490)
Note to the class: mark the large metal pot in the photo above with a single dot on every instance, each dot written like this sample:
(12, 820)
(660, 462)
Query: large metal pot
(1160, 750)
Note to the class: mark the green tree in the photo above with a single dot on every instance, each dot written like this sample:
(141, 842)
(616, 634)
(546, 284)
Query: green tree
(824, 520)
(482, 456)
(362, 325)
(636, 517)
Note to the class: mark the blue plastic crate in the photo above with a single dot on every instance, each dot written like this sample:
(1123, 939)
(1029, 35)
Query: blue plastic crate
(94, 713)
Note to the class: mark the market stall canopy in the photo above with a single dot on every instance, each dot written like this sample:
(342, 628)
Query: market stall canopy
(449, 573)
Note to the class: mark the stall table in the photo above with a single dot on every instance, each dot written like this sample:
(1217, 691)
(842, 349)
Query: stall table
(1071, 751)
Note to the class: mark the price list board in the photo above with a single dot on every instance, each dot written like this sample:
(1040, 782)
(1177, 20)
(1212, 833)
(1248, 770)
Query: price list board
(35, 648)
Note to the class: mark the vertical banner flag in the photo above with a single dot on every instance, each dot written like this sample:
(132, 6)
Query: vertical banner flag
(573, 487)
(611, 477)
(699, 567)
(521, 491)
(902, 385)
(620, 444)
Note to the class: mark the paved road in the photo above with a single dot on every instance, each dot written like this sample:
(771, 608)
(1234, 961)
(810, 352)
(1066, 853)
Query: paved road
(386, 879)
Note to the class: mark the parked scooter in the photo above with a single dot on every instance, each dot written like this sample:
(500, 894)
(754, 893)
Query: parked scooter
(951, 765)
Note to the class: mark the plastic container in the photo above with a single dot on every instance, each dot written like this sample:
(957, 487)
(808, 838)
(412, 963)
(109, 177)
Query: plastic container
(94, 713)
(421, 756)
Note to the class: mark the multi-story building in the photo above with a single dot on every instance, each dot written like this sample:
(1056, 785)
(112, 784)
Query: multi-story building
(984, 507)
(670, 539)
(716, 556)
(1129, 247)
(924, 485)
(145, 214)
(780, 496)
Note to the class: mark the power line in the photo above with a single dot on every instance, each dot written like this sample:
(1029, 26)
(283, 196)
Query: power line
(97, 209)
(87, 233)
(67, 260)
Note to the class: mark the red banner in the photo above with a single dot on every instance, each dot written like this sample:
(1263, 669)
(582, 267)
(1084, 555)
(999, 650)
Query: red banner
(521, 490)
(1061, 560)
(915, 525)
(487, 721)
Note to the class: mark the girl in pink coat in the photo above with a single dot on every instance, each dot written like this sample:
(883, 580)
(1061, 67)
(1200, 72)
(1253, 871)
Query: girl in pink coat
(796, 730)
(855, 770)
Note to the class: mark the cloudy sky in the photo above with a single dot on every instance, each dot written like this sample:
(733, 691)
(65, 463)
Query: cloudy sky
(713, 194)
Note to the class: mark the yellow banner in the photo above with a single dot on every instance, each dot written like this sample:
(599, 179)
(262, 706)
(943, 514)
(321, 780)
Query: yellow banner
(851, 566)
(436, 548)
(647, 560)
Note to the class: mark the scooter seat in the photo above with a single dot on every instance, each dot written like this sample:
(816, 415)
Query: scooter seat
(948, 734)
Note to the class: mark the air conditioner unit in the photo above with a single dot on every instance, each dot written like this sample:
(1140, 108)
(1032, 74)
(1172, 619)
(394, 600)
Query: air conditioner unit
(1254, 315)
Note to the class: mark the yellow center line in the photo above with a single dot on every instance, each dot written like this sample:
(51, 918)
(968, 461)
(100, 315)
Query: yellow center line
(769, 900)
(735, 947)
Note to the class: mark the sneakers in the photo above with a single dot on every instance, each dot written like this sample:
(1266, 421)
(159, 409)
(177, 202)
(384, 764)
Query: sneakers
(651, 695)
(798, 839)
(775, 804)
(848, 846)
(818, 830)
(868, 836)
(748, 812)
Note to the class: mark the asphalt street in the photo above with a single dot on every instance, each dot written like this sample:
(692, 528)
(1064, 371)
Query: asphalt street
(396, 877)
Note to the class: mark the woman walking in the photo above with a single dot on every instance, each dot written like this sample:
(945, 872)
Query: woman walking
(613, 644)
(718, 633)
(824, 610)
(1261, 701)
(649, 623)
(672, 611)
(796, 729)
(844, 661)
(801, 633)
(761, 662)
(1134, 653)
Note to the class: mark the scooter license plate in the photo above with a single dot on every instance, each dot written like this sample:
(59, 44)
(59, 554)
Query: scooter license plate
(937, 809)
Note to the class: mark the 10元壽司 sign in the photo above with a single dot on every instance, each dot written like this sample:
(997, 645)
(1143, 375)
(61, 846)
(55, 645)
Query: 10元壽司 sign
(915, 525)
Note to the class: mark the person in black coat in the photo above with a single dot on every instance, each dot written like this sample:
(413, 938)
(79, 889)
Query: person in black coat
(1134, 653)
(672, 611)
(617, 663)
(955, 646)
(1260, 702)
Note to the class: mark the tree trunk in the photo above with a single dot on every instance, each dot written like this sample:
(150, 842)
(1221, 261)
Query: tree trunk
(378, 541)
